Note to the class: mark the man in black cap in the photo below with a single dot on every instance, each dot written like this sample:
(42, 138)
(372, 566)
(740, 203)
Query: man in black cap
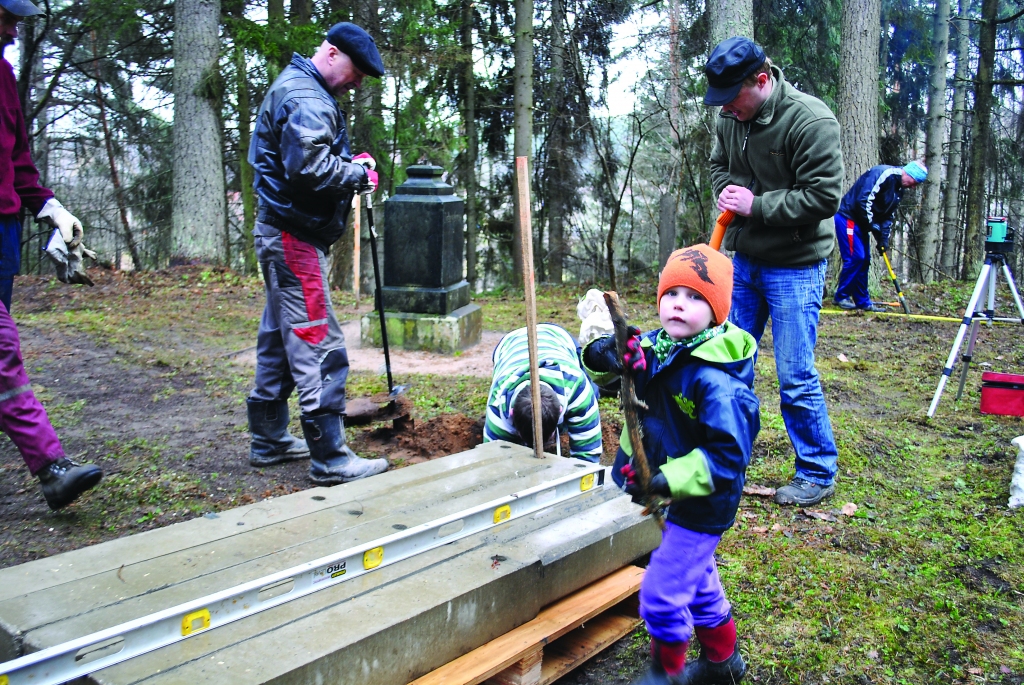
(305, 179)
(777, 164)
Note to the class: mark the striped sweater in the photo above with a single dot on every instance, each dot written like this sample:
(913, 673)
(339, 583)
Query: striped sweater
(561, 369)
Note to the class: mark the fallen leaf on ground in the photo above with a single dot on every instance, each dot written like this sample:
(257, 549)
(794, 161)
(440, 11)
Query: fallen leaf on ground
(974, 671)
(748, 515)
(759, 490)
(759, 529)
(1005, 670)
(820, 515)
(872, 654)
(849, 509)
(843, 358)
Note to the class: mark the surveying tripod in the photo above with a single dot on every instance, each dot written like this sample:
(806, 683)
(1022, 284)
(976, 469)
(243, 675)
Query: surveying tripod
(995, 258)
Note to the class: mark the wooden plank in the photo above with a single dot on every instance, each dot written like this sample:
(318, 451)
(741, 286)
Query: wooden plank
(526, 671)
(551, 623)
(587, 641)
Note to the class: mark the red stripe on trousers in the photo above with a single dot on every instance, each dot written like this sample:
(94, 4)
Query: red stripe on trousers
(302, 259)
(849, 233)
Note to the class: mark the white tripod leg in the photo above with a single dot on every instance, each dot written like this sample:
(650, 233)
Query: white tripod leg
(989, 316)
(1013, 289)
(967, 320)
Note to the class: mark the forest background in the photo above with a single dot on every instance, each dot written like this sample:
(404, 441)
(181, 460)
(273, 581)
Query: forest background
(140, 113)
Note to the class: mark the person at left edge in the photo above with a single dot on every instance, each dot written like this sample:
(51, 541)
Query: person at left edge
(22, 417)
(305, 179)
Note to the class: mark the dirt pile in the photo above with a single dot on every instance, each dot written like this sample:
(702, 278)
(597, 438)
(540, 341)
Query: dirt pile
(418, 442)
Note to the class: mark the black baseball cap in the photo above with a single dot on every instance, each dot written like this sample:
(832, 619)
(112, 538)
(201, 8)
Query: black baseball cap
(732, 60)
(21, 8)
(354, 42)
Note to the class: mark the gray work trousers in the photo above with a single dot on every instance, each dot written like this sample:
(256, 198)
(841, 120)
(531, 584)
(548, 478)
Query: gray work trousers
(300, 344)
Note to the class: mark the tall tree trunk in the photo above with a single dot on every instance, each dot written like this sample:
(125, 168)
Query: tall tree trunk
(666, 227)
(115, 179)
(929, 233)
(950, 213)
(276, 28)
(302, 12)
(468, 90)
(198, 211)
(727, 18)
(558, 146)
(858, 95)
(522, 98)
(977, 203)
(244, 169)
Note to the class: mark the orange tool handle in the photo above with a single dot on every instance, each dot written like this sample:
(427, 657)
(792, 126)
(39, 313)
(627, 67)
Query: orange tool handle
(722, 223)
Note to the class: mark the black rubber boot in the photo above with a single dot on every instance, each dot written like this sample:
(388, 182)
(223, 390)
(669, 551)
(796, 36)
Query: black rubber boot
(331, 460)
(271, 442)
(64, 480)
(663, 653)
(703, 671)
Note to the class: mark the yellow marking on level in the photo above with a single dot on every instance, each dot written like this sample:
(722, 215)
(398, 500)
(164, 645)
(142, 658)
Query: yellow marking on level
(188, 622)
(372, 558)
(503, 513)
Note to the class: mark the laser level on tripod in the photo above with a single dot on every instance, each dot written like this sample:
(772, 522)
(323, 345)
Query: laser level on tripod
(998, 243)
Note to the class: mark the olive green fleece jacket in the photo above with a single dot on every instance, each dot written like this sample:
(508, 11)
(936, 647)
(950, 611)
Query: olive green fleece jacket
(789, 156)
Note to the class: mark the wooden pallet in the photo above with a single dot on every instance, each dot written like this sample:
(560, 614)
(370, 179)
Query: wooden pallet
(563, 636)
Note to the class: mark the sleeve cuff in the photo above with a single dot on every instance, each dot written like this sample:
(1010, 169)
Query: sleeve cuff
(757, 210)
(689, 475)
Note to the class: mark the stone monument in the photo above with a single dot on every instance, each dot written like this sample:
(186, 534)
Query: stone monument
(426, 299)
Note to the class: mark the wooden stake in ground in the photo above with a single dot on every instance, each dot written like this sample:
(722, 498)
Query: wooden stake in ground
(630, 403)
(358, 231)
(526, 234)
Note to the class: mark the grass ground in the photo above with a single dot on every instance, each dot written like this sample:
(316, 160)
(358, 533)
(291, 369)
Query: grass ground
(921, 582)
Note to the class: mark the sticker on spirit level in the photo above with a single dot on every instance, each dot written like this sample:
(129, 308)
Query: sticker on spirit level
(335, 570)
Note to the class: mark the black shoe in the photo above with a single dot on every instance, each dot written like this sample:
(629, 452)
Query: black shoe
(331, 460)
(803, 493)
(845, 303)
(703, 671)
(64, 480)
(271, 442)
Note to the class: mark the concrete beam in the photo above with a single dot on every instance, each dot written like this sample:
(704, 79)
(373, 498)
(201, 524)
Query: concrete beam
(389, 626)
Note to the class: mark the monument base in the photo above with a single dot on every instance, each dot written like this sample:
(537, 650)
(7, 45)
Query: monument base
(442, 334)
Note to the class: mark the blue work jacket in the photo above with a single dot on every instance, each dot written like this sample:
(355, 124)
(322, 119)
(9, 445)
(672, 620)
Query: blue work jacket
(873, 200)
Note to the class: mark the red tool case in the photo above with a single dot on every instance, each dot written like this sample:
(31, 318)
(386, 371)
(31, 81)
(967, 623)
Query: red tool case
(1002, 393)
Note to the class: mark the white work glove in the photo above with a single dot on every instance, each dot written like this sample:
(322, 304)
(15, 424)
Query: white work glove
(54, 214)
(68, 261)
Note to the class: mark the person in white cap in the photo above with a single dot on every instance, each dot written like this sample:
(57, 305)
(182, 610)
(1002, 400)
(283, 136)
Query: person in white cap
(869, 208)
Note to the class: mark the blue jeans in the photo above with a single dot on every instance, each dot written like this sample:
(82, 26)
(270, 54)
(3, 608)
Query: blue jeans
(791, 296)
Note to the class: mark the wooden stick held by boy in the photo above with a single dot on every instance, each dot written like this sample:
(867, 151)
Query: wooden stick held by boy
(630, 403)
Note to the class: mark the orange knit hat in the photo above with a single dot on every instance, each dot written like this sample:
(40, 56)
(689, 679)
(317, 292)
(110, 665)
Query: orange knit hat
(704, 269)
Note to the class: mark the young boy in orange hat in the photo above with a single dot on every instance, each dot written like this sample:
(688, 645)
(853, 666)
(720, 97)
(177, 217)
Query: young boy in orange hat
(695, 374)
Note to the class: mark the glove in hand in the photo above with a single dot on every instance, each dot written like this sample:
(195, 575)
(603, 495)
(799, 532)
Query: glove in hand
(69, 261)
(658, 485)
(602, 356)
(364, 159)
(54, 214)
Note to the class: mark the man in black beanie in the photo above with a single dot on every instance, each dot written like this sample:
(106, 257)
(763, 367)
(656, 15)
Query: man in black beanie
(305, 179)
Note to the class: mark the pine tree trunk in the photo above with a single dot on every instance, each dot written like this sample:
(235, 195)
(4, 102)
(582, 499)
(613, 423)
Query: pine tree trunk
(977, 203)
(951, 222)
(666, 227)
(198, 212)
(468, 90)
(929, 233)
(244, 169)
(858, 96)
(367, 135)
(558, 145)
(276, 28)
(729, 18)
(522, 95)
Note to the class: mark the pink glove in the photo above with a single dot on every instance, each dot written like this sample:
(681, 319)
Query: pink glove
(634, 356)
(371, 180)
(365, 159)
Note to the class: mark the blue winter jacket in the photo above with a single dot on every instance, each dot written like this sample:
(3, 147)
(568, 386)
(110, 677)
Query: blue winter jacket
(304, 175)
(699, 427)
(874, 198)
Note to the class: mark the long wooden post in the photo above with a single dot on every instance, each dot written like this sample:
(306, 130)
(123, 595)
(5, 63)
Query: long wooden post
(358, 233)
(526, 242)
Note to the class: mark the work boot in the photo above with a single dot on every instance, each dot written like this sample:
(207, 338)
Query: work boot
(803, 493)
(271, 442)
(720, 661)
(64, 480)
(845, 303)
(331, 460)
(874, 308)
(668, 659)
